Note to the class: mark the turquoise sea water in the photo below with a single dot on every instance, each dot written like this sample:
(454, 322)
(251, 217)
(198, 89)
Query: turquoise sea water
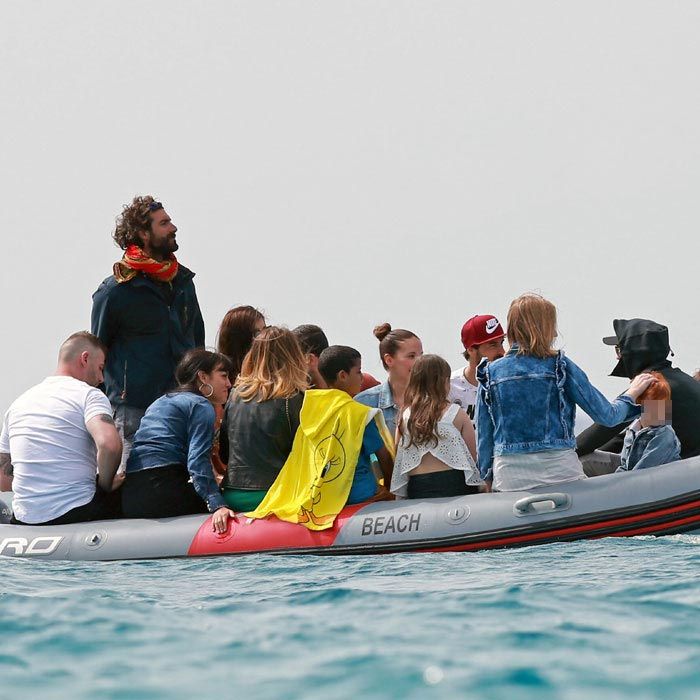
(611, 618)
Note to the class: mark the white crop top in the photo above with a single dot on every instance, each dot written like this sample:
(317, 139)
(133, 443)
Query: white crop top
(450, 449)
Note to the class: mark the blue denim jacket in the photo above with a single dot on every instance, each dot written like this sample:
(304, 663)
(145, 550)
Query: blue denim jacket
(179, 429)
(380, 396)
(649, 447)
(528, 404)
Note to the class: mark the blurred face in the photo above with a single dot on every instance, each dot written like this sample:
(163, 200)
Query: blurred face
(401, 364)
(220, 383)
(160, 241)
(93, 363)
(491, 351)
(656, 412)
(259, 325)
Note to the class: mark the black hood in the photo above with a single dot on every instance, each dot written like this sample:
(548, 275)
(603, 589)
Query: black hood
(643, 345)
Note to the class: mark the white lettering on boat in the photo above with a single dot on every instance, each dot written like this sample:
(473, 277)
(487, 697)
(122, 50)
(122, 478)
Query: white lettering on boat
(39, 546)
(384, 524)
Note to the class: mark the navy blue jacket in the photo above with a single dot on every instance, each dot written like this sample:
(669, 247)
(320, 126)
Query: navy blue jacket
(147, 327)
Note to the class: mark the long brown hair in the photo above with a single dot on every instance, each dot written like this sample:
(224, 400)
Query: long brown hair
(274, 368)
(426, 396)
(390, 340)
(236, 334)
(532, 324)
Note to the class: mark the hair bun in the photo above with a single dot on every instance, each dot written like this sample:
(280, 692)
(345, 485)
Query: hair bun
(382, 331)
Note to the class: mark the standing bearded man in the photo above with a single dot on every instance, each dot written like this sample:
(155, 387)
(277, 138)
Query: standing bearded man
(146, 313)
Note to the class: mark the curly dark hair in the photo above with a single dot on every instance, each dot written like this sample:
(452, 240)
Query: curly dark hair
(135, 217)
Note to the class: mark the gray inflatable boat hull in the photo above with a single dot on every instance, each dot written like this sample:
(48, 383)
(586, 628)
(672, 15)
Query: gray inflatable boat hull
(659, 501)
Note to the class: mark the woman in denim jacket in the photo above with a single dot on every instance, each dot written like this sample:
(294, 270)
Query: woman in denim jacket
(398, 350)
(169, 470)
(527, 404)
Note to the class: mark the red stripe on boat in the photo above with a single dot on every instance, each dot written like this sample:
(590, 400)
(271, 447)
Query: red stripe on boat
(246, 535)
(576, 529)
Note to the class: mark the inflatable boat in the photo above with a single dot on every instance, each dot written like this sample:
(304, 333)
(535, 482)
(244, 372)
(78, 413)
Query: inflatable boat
(659, 501)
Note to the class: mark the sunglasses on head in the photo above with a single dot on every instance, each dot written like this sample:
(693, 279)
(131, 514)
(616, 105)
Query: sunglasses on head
(155, 206)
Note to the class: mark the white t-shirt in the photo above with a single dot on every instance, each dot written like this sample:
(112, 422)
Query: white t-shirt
(53, 455)
(463, 393)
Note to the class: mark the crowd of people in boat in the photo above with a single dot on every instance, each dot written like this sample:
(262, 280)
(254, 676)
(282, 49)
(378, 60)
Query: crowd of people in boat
(139, 420)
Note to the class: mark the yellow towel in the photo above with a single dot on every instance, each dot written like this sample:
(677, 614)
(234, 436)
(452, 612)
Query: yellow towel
(313, 485)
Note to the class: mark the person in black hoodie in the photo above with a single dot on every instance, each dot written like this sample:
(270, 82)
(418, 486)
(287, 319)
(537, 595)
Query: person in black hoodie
(643, 345)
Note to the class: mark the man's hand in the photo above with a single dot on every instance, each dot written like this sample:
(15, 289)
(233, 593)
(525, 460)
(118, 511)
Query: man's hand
(119, 479)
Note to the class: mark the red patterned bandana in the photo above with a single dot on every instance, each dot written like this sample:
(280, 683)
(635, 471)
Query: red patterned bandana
(135, 261)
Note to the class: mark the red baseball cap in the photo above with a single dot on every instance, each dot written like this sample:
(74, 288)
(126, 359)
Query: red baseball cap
(481, 329)
(368, 381)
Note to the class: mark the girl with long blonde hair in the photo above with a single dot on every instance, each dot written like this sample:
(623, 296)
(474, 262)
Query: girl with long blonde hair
(436, 443)
(262, 416)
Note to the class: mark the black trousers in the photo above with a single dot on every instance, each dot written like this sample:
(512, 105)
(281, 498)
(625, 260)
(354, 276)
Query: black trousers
(103, 506)
(161, 492)
(439, 485)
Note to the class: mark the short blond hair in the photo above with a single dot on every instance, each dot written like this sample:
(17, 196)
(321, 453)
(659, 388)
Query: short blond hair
(274, 368)
(532, 324)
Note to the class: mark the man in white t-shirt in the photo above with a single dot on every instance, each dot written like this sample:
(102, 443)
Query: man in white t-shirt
(482, 336)
(59, 448)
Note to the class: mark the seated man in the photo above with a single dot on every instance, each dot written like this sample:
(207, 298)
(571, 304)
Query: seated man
(482, 337)
(642, 345)
(59, 438)
(341, 368)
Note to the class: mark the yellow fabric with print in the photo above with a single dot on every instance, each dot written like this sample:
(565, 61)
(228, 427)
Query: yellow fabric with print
(313, 485)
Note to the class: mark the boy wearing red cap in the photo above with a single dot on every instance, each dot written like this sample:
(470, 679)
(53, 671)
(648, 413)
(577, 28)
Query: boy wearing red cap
(482, 337)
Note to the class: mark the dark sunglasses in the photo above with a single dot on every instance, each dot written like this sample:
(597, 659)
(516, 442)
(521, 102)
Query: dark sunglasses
(155, 206)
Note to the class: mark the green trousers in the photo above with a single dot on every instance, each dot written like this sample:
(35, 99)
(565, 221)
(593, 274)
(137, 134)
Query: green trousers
(242, 501)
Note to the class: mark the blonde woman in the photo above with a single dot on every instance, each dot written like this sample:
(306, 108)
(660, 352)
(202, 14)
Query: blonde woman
(262, 416)
(527, 404)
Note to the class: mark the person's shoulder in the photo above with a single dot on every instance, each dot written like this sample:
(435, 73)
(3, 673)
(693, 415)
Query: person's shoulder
(184, 275)
(192, 402)
(457, 374)
(94, 394)
(27, 396)
(676, 377)
(369, 397)
(106, 287)
(664, 430)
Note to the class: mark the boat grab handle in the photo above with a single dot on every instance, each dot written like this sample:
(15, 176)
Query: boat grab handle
(527, 505)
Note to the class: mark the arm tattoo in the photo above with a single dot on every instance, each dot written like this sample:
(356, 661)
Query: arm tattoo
(6, 467)
(106, 419)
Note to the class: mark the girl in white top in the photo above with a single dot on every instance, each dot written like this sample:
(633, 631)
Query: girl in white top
(435, 438)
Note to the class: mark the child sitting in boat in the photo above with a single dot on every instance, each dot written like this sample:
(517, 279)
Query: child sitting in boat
(328, 465)
(650, 440)
(341, 368)
(435, 438)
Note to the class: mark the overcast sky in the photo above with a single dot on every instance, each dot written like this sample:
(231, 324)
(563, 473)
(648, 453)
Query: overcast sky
(348, 163)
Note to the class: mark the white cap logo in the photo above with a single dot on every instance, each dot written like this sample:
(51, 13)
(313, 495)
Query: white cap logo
(491, 325)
